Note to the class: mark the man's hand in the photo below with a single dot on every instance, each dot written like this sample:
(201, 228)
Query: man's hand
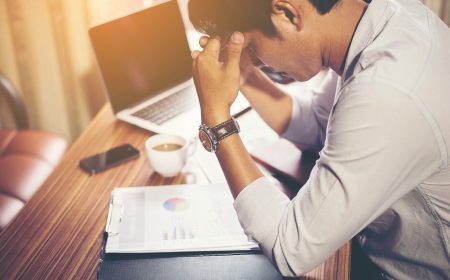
(217, 77)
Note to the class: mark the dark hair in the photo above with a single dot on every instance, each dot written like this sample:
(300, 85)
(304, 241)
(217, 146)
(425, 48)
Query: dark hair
(221, 17)
(323, 6)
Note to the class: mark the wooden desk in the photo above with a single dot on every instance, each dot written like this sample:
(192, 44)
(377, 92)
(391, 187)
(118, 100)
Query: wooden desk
(58, 234)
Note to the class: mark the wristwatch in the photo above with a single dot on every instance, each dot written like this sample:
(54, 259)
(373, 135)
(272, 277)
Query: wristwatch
(212, 136)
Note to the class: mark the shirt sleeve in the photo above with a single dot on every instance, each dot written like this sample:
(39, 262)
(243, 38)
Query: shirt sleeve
(379, 147)
(309, 116)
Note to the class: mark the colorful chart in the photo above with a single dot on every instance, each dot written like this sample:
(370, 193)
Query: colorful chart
(176, 204)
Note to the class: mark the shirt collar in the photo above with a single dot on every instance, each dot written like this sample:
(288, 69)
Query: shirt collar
(370, 26)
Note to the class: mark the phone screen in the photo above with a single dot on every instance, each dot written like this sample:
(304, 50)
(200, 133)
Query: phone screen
(110, 158)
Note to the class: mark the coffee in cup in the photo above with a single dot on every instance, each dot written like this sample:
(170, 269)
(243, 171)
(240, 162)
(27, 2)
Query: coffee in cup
(167, 147)
(168, 154)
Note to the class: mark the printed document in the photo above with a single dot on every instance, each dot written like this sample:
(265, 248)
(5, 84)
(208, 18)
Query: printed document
(174, 219)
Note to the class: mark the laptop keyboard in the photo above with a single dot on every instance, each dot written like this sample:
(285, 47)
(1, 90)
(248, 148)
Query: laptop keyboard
(167, 108)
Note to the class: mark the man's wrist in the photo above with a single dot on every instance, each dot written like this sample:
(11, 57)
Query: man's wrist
(211, 137)
(213, 118)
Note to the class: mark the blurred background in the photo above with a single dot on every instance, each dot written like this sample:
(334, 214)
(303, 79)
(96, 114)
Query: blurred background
(45, 52)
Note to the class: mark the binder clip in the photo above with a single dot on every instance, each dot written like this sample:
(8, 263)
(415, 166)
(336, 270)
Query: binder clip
(114, 219)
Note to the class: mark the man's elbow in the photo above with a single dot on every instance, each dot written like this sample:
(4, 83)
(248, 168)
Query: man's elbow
(293, 265)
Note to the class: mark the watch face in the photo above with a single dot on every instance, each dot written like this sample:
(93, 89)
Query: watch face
(206, 141)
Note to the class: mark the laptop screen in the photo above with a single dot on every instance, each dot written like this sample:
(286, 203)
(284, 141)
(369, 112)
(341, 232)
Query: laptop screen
(142, 54)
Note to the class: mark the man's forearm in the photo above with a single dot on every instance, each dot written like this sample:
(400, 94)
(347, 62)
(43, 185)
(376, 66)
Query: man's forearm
(239, 168)
(270, 102)
(217, 84)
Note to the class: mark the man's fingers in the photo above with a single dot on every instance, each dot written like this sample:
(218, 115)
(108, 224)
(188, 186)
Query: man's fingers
(194, 54)
(234, 50)
(212, 47)
(203, 41)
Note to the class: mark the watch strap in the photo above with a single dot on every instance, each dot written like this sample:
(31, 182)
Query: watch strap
(226, 129)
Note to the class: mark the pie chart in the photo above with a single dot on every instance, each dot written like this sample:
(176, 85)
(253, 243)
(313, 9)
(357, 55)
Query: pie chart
(176, 204)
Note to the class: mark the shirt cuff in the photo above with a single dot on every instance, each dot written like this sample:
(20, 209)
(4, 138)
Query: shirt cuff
(259, 207)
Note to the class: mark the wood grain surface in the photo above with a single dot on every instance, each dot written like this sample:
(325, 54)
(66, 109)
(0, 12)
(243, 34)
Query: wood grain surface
(58, 233)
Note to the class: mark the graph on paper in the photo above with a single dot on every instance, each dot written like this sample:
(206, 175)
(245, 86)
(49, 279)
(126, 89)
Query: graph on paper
(177, 218)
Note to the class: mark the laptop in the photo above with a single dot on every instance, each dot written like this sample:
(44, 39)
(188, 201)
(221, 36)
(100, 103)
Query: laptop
(146, 66)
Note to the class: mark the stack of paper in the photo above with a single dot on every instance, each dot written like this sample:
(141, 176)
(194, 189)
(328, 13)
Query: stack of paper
(174, 219)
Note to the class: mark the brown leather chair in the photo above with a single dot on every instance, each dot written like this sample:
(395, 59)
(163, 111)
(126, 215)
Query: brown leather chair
(27, 156)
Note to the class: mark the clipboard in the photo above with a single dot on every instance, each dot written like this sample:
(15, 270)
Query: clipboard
(174, 218)
(208, 264)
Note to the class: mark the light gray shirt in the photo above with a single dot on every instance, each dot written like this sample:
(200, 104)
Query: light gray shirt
(383, 174)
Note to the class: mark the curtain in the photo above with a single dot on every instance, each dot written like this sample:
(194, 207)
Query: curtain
(45, 52)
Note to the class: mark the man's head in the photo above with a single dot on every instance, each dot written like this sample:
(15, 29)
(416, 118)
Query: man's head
(223, 17)
(285, 34)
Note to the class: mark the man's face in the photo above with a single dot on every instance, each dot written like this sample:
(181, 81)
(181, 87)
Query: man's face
(251, 57)
(293, 52)
(288, 56)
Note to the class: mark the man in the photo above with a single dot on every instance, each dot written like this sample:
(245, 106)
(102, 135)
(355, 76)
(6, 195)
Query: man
(381, 124)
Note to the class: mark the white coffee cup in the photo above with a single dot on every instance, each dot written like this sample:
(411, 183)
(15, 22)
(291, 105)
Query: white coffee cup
(168, 154)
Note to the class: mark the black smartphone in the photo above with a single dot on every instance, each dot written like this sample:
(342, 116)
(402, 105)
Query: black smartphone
(113, 157)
